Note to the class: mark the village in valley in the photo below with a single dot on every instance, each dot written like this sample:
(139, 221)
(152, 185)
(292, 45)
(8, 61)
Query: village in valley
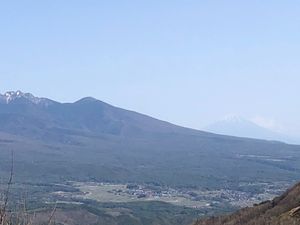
(187, 197)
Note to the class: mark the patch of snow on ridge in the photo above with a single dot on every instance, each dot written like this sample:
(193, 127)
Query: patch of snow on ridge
(11, 96)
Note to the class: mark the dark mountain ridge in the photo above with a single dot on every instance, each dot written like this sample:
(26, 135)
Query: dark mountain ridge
(92, 140)
(88, 115)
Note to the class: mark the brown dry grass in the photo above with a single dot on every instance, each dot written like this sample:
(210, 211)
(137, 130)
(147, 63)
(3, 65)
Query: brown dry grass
(275, 212)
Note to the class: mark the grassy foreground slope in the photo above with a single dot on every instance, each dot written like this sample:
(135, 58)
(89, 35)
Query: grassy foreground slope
(283, 210)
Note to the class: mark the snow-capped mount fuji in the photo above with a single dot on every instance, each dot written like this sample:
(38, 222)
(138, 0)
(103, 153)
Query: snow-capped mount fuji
(241, 127)
(18, 96)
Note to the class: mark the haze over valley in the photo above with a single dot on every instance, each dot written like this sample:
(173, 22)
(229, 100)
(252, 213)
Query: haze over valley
(89, 153)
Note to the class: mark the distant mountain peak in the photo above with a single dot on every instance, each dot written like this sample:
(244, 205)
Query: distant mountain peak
(234, 119)
(87, 99)
(238, 126)
(12, 96)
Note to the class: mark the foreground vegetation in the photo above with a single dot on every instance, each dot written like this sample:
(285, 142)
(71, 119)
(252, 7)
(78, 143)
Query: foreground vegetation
(283, 210)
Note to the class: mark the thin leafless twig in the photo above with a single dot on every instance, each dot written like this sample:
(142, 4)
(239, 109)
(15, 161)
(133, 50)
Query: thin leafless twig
(52, 214)
(6, 195)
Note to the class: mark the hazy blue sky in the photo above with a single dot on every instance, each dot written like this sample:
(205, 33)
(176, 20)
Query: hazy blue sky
(188, 62)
